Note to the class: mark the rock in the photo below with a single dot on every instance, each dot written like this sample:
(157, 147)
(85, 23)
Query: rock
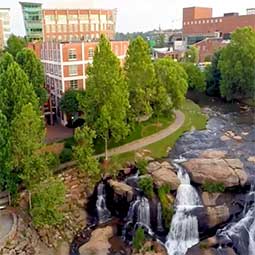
(210, 154)
(122, 189)
(127, 170)
(252, 159)
(244, 133)
(166, 164)
(99, 241)
(165, 176)
(214, 199)
(237, 138)
(230, 172)
(153, 166)
(225, 138)
(217, 215)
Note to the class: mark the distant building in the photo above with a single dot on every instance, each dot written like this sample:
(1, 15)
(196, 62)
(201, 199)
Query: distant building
(176, 55)
(78, 24)
(32, 15)
(250, 11)
(65, 66)
(5, 29)
(1, 35)
(198, 23)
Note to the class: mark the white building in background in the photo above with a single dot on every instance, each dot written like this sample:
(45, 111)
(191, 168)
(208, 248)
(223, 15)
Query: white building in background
(5, 24)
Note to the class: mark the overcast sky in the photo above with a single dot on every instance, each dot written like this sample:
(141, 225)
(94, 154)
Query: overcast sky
(134, 15)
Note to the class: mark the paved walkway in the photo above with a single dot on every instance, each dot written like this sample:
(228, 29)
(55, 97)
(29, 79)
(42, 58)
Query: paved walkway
(143, 142)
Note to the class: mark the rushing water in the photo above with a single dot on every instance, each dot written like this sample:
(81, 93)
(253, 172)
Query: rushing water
(184, 227)
(160, 227)
(102, 212)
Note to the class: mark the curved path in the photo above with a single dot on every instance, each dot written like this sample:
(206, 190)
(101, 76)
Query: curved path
(143, 142)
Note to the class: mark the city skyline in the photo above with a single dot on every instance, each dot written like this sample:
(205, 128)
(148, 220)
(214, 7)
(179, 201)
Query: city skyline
(165, 14)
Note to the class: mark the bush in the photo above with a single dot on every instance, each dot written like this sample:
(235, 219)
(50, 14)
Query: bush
(47, 197)
(69, 143)
(146, 185)
(142, 166)
(213, 187)
(52, 160)
(66, 155)
(138, 239)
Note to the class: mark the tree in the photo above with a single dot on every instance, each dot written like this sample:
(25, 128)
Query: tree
(237, 64)
(191, 55)
(16, 91)
(161, 41)
(106, 101)
(15, 44)
(138, 239)
(5, 61)
(196, 78)
(140, 76)
(69, 102)
(84, 152)
(213, 76)
(33, 68)
(173, 78)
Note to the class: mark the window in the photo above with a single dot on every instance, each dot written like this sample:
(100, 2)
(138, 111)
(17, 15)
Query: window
(216, 21)
(207, 21)
(220, 20)
(50, 19)
(195, 22)
(103, 18)
(91, 52)
(199, 22)
(94, 17)
(84, 18)
(191, 22)
(203, 21)
(74, 84)
(62, 19)
(188, 22)
(53, 28)
(73, 70)
(72, 54)
(211, 20)
(73, 19)
(184, 23)
(59, 28)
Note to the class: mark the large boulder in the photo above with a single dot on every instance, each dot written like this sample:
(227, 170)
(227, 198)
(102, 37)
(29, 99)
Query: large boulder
(122, 189)
(230, 172)
(213, 154)
(217, 215)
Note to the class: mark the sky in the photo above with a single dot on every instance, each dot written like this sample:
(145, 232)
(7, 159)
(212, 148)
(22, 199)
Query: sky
(133, 15)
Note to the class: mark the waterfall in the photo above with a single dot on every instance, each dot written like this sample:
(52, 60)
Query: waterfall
(183, 232)
(160, 227)
(102, 212)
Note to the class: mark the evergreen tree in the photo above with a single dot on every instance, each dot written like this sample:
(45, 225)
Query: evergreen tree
(106, 102)
(140, 76)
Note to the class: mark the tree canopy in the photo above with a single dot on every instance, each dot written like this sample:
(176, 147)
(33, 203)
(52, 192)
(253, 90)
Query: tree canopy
(69, 102)
(15, 44)
(237, 65)
(191, 55)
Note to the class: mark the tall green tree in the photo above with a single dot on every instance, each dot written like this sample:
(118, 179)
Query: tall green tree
(106, 102)
(173, 78)
(17, 91)
(213, 75)
(196, 78)
(140, 76)
(15, 44)
(237, 65)
(192, 55)
(69, 102)
(33, 68)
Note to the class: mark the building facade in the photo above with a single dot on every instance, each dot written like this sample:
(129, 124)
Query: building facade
(1, 35)
(32, 15)
(5, 25)
(65, 66)
(199, 22)
(78, 24)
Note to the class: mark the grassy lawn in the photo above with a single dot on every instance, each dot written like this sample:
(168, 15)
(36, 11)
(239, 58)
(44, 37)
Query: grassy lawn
(141, 130)
(194, 118)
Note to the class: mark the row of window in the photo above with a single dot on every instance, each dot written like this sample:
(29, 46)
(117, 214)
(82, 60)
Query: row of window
(72, 54)
(53, 69)
(207, 21)
(50, 54)
(54, 85)
(73, 37)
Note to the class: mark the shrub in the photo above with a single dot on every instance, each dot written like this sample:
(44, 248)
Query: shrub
(138, 239)
(142, 164)
(69, 143)
(52, 160)
(213, 187)
(146, 185)
(47, 197)
(65, 155)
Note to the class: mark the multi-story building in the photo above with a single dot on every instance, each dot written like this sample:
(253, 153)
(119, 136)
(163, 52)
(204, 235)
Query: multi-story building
(32, 15)
(6, 26)
(65, 67)
(1, 35)
(78, 24)
(199, 23)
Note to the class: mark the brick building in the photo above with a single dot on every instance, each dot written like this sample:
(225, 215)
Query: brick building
(198, 23)
(6, 25)
(65, 67)
(1, 35)
(78, 24)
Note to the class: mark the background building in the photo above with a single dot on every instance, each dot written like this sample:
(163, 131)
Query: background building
(32, 15)
(198, 23)
(5, 26)
(79, 24)
(65, 67)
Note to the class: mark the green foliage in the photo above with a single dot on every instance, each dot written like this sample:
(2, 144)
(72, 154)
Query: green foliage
(160, 41)
(142, 164)
(213, 76)
(106, 100)
(191, 55)
(236, 64)
(140, 76)
(69, 102)
(52, 160)
(166, 204)
(213, 187)
(172, 76)
(66, 155)
(47, 198)
(146, 185)
(15, 44)
(196, 78)
(69, 143)
(84, 152)
(138, 239)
